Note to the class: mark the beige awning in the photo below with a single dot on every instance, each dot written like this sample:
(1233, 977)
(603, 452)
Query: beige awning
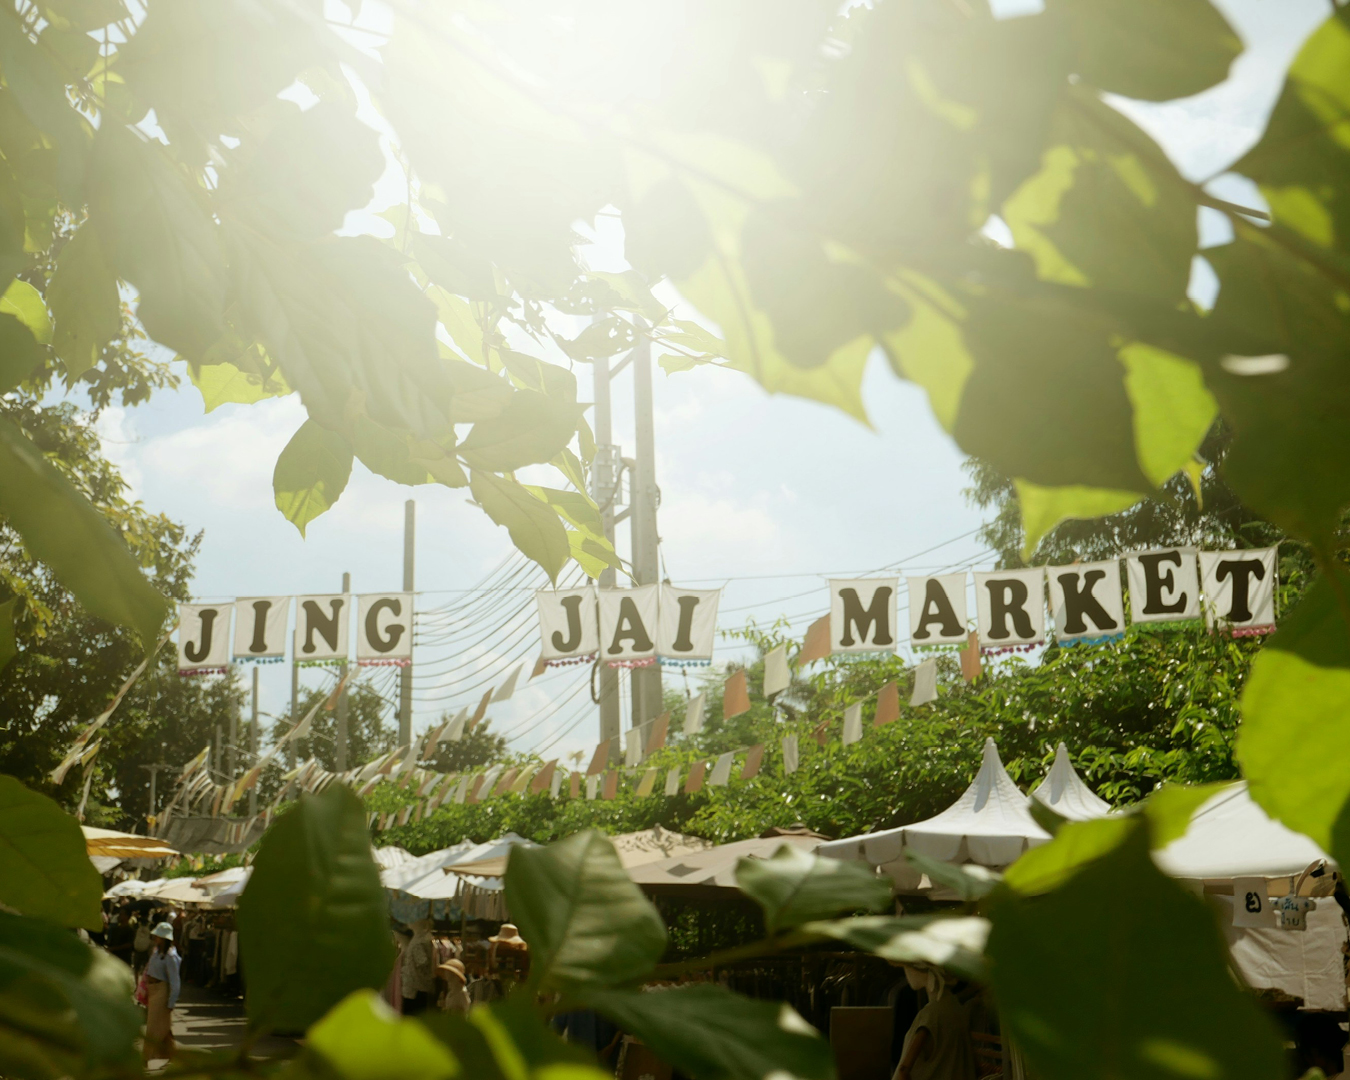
(122, 845)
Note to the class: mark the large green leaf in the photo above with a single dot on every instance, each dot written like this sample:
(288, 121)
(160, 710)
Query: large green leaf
(529, 431)
(1150, 49)
(157, 232)
(84, 301)
(708, 1033)
(311, 473)
(313, 921)
(955, 944)
(44, 866)
(793, 886)
(9, 645)
(1294, 746)
(61, 528)
(534, 527)
(1120, 972)
(509, 1040)
(20, 354)
(65, 1007)
(364, 1039)
(585, 920)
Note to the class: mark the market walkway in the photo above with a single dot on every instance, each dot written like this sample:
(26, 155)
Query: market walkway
(207, 1020)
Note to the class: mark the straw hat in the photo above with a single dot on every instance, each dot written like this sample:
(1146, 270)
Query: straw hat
(509, 932)
(453, 968)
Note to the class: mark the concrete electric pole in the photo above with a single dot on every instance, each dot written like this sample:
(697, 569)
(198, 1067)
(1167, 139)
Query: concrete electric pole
(405, 672)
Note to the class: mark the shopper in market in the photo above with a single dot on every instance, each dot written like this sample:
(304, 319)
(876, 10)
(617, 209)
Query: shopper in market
(937, 1046)
(162, 987)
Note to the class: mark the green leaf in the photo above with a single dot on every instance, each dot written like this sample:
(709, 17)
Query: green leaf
(1293, 746)
(509, 1040)
(25, 303)
(20, 354)
(531, 430)
(157, 232)
(594, 556)
(585, 920)
(601, 339)
(955, 943)
(794, 886)
(61, 527)
(65, 1007)
(971, 882)
(1076, 845)
(631, 292)
(223, 383)
(575, 507)
(311, 473)
(478, 394)
(364, 1039)
(84, 300)
(84, 14)
(314, 918)
(1173, 409)
(1045, 507)
(9, 645)
(708, 1033)
(535, 529)
(387, 454)
(1150, 49)
(44, 865)
(1120, 972)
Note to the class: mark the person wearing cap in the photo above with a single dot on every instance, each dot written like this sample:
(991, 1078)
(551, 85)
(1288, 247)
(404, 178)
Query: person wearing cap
(456, 998)
(162, 986)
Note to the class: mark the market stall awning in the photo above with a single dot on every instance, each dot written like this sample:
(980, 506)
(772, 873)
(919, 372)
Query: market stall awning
(635, 849)
(228, 897)
(181, 890)
(122, 845)
(1064, 792)
(386, 858)
(700, 872)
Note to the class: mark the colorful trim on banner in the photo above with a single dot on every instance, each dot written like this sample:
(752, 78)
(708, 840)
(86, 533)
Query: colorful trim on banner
(384, 663)
(649, 662)
(192, 673)
(572, 661)
(999, 650)
(1102, 640)
(678, 662)
(258, 660)
(320, 663)
(1247, 631)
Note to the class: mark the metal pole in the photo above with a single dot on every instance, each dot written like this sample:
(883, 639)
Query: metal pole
(340, 763)
(405, 673)
(154, 773)
(253, 746)
(646, 557)
(231, 754)
(604, 490)
(295, 696)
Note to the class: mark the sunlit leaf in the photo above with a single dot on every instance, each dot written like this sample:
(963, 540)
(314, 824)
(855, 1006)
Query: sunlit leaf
(534, 527)
(44, 866)
(84, 301)
(311, 473)
(955, 944)
(364, 1039)
(531, 430)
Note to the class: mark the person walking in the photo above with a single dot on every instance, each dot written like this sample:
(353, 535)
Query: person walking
(162, 986)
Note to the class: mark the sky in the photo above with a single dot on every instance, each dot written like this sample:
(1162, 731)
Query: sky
(765, 496)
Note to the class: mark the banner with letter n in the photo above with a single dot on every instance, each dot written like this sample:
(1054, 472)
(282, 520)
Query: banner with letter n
(1011, 607)
(1086, 600)
(567, 623)
(321, 627)
(863, 614)
(1239, 589)
(384, 628)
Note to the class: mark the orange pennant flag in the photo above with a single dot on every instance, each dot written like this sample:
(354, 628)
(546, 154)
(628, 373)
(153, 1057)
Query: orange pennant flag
(656, 737)
(753, 760)
(540, 666)
(816, 644)
(543, 777)
(735, 696)
(481, 711)
(611, 787)
(695, 781)
(504, 784)
(574, 787)
(888, 705)
(822, 733)
(600, 759)
(970, 658)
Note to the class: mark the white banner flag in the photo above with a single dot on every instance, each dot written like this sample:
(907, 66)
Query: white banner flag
(628, 622)
(1011, 607)
(1164, 586)
(203, 636)
(321, 627)
(384, 626)
(1239, 587)
(1086, 600)
(937, 610)
(260, 626)
(688, 618)
(567, 623)
(862, 614)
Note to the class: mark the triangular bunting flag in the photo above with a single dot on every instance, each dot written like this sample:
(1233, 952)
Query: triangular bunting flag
(600, 759)
(656, 735)
(646, 784)
(695, 779)
(540, 666)
(481, 711)
(693, 713)
(970, 658)
(508, 688)
(544, 777)
(816, 644)
(735, 696)
(888, 705)
(753, 760)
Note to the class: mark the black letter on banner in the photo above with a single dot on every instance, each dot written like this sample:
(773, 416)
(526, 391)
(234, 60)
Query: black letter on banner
(326, 626)
(877, 615)
(1242, 571)
(1008, 597)
(202, 651)
(1080, 602)
(1156, 579)
(937, 606)
(630, 627)
(373, 629)
(571, 605)
(259, 642)
(683, 641)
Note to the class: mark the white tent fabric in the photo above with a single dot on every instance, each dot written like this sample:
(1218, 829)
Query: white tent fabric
(991, 825)
(715, 866)
(1230, 836)
(421, 866)
(386, 858)
(1308, 964)
(129, 887)
(436, 884)
(228, 897)
(176, 890)
(1064, 792)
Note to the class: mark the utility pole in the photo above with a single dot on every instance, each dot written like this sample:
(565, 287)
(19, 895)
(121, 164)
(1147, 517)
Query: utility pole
(153, 770)
(340, 755)
(405, 672)
(253, 746)
(605, 491)
(295, 687)
(231, 748)
(646, 557)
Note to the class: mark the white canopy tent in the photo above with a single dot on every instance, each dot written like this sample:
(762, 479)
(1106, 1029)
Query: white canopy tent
(1064, 792)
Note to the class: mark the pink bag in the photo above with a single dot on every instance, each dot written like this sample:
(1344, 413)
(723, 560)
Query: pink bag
(142, 993)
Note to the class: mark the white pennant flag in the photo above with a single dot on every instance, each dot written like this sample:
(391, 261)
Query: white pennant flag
(456, 731)
(633, 754)
(790, 754)
(673, 782)
(693, 713)
(721, 772)
(508, 688)
(777, 677)
(853, 723)
(592, 786)
(555, 783)
(925, 683)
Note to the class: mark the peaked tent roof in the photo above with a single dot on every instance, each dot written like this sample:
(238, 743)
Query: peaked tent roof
(1064, 792)
(991, 824)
